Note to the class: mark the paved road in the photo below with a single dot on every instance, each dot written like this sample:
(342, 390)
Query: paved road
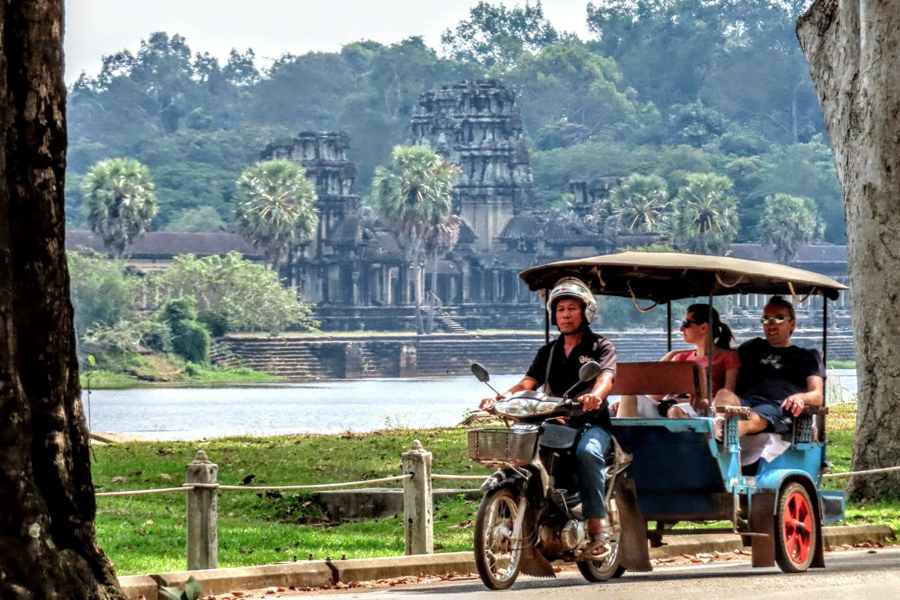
(850, 575)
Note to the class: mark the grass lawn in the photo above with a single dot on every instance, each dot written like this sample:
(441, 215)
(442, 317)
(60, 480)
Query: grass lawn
(145, 534)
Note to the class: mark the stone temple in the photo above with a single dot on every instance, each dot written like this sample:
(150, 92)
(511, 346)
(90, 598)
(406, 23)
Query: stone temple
(354, 270)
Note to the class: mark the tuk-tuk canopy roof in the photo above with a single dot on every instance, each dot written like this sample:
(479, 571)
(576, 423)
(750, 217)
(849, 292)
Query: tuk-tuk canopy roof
(663, 276)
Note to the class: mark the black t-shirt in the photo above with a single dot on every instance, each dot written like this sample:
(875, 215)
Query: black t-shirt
(776, 373)
(564, 369)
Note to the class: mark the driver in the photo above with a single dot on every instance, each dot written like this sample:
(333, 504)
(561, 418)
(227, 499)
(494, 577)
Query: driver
(571, 307)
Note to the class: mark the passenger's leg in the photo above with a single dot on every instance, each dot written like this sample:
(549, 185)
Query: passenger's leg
(676, 413)
(628, 406)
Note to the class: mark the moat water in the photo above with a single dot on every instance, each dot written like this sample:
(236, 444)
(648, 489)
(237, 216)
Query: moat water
(323, 407)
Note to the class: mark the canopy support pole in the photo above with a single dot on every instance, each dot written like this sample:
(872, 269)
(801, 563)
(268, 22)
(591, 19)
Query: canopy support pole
(669, 324)
(709, 355)
(546, 318)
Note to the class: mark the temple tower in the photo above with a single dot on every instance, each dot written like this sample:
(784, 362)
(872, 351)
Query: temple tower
(476, 125)
(324, 156)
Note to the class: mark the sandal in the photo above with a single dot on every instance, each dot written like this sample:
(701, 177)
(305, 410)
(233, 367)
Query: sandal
(598, 547)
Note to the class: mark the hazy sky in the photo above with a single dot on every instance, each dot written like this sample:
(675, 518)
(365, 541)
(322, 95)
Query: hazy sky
(95, 28)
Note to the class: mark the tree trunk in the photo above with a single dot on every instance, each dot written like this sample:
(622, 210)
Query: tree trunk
(48, 546)
(853, 48)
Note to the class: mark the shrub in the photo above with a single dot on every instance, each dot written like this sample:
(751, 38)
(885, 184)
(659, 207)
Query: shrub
(190, 340)
(156, 336)
(216, 321)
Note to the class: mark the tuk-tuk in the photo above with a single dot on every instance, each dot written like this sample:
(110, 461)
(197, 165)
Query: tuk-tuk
(680, 472)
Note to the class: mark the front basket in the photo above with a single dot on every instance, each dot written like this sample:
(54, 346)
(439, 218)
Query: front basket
(502, 446)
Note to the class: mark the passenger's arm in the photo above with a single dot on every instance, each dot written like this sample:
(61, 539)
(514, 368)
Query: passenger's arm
(527, 383)
(667, 358)
(602, 386)
(813, 397)
(731, 378)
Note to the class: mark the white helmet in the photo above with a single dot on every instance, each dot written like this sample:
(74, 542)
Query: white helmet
(570, 287)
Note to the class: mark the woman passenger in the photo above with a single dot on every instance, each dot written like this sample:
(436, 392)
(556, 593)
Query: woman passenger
(726, 364)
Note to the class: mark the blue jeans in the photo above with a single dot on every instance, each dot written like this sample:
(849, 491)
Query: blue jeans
(591, 459)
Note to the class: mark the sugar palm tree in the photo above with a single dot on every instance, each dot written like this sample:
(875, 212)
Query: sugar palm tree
(276, 207)
(439, 240)
(411, 196)
(706, 214)
(640, 203)
(787, 223)
(119, 201)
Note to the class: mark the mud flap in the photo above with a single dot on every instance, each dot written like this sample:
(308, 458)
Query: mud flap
(634, 551)
(533, 562)
(762, 520)
(818, 561)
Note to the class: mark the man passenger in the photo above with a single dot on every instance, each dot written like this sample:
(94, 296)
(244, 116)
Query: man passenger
(777, 379)
(571, 307)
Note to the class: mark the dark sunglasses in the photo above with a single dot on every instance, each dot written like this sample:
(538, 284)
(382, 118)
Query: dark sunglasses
(776, 319)
(687, 323)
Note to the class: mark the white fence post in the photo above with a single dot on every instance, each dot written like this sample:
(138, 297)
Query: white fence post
(202, 512)
(418, 512)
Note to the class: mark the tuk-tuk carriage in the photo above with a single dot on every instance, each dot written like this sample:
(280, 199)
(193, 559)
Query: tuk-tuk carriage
(680, 472)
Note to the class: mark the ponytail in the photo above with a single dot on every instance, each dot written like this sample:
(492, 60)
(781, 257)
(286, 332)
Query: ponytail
(723, 337)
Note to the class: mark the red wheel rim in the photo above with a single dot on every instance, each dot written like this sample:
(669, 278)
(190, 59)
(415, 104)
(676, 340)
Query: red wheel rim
(798, 527)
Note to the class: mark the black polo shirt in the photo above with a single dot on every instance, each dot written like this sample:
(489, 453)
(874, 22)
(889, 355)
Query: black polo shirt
(564, 369)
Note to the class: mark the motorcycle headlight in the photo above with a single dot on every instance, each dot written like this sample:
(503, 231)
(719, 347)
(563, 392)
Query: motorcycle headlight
(525, 407)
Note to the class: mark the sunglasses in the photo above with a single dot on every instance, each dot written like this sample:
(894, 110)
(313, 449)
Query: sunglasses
(776, 319)
(687, 323)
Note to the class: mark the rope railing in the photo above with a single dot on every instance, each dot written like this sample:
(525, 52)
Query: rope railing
(186, 488)
(460, 477)
(863, 472)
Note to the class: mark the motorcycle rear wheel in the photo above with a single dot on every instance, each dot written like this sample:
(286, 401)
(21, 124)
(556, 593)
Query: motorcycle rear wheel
(497, 553)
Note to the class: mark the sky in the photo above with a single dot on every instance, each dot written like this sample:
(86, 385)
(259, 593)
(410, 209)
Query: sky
(95, 28)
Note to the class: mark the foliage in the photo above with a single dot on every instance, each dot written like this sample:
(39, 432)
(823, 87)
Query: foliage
(706, 214)
(120, 201)
(787, 223)
(156, 336)
(102, 293)
(113, 341)
(216, 322)
(641, 203)
(413, 196)
(190, 340)
(204, 218)
(495, 36)
(248, 296)
(275, 206)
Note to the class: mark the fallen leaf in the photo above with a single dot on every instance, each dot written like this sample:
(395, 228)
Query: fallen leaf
(119, 479)
(165, 476)
(149, 522)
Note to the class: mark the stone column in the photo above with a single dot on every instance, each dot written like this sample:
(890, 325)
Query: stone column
(418, 513)
(202, 514)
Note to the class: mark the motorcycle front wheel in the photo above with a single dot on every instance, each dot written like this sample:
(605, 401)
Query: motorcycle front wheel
(597, 571)
(497, 553)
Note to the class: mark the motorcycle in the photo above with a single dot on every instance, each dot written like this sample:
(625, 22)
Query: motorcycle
(531, 513)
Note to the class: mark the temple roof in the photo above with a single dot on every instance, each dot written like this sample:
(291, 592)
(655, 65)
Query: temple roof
(164, 244)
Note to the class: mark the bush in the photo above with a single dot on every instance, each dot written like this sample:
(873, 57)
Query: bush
(102, 294)
(191, 341)
(156, 336)
(216, 322)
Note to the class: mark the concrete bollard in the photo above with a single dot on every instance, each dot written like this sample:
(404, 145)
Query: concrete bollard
(418, 512)
(202, 513)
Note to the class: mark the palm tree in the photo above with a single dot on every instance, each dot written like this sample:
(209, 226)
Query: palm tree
(706, 214)
(411, 196)
(276, 207)
(120, 201)
(787, 223)
(640, 203)
(439, 240)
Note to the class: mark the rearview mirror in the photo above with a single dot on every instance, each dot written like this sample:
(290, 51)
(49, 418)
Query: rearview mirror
(481, 373)
(589, 371)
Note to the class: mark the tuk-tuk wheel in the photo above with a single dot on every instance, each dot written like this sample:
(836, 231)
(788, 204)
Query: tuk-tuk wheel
(796, 532)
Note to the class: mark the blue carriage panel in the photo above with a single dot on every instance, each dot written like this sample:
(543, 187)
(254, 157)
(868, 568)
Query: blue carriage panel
(808, 457)
(670, 455)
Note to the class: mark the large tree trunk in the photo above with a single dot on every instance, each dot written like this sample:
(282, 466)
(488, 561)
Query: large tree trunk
(853, 48)
(48, 547)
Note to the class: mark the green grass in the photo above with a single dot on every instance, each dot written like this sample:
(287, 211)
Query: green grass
(841, 364)
(147, 374)
(145, 534)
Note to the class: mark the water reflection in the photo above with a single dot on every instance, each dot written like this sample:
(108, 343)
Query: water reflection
(325, 407)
